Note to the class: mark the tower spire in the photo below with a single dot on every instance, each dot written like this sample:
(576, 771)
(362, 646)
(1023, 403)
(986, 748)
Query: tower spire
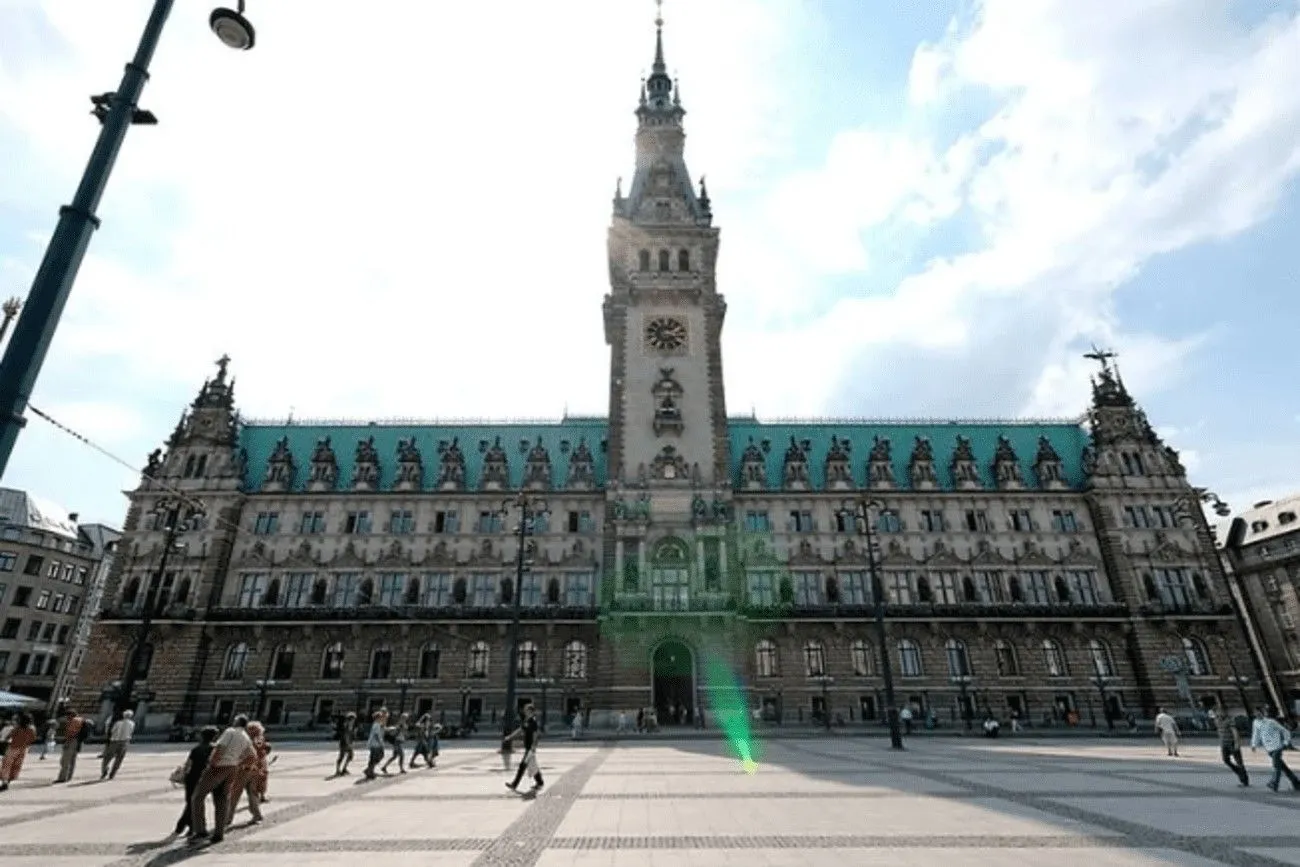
(659, 65)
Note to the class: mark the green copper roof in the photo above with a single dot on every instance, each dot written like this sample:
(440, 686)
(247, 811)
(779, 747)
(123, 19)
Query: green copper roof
(560, 439)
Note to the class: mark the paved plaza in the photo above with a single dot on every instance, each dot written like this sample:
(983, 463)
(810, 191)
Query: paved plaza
(838, 801)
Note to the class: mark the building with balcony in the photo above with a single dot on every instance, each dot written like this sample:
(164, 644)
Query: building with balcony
(52, 573)
(1057, 569)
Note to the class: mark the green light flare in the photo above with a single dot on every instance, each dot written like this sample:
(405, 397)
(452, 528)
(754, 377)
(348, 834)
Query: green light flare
(726, 696)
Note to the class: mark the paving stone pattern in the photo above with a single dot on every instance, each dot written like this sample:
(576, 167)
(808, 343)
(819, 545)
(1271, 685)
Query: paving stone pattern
(833, 801)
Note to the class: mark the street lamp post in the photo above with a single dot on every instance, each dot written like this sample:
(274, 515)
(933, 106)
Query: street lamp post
(1237, 679)
(464, 708)
(530, 509)
(862, 509)
(180, 515)
(263, 686)
(545, 683)
(405, 683)
(9, 310)
(825, 680)
(963, 682)
(116, 111)
(1102, 681)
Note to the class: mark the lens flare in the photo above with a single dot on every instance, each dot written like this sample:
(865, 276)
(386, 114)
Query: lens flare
(727, 700)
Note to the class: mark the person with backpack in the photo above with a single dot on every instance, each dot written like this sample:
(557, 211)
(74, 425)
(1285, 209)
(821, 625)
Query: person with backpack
(76, 730)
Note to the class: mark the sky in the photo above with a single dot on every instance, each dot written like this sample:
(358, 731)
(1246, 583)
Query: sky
(929, 208)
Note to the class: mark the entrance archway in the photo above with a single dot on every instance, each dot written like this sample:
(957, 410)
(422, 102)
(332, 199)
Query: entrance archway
(674, 682)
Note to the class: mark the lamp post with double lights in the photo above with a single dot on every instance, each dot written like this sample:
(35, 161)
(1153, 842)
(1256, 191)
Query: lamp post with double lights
(862, 509)
(180, 516)
(464, 710)
(263, 687)
(530, 509)
(1237, 679)
(545, 683)
(963, 682)
(1103, 682)
(404, 683)
(825, 680)
(116, 112)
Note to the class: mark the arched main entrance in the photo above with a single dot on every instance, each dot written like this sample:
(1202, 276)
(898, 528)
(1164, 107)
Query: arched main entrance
(674, 682)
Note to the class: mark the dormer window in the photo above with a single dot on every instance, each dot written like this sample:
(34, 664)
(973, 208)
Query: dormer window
(664, 260)
(1258, 526)
(683, 260)
(1286, 517)
(643, 260)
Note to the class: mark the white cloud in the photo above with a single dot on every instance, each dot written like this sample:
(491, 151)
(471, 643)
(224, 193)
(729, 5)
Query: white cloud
(98, 420)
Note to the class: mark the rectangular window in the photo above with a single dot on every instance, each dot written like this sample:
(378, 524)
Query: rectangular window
(762, 589)
(1083, 587)
(34, 630)
(8, 561)
(670, 589)
(4, 662)
(11, 627)
(1163, 516)
(1173, 587)
(392, 586)
(252, 589)
(63, 634)
(437, 590)
(808, 589)
(266, 523)
(297, 589)
(52, 571)
(43, 601)
(846, 522)
(33, 564)
(932, 520)
(60, 599)
(1037, 588)
(483, 591)
(446, 522)
(401, 522)
(81, 576)
(47, 634)
(38, 663)
(577, 589)
(889, 522)
(357, 523)
(531, 590)
(899, 588)
(988, 587)
(22, 597)
(1021, 521)
(801, 522)
(1133, 465)
(312, 523)
(72, 604)
(69, 570)
(855, 589)
(947, 589)
(1063, 521)
(488, 522)
(347, 589)
(757, 522)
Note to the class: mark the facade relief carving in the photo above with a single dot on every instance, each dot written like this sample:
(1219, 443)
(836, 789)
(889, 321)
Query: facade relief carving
(794, 471)
(582, 469)
(410, 466)
(496, 467)
(880, 465)
(1006, 466)
(365, 472)
(280, 469)
(451, 466)
(324, 467)
(670, 466)
(839, 466)
(921, 466)
(1048, 466)
(668, 399)
(965, 472)
(537, 468)
(753, 467)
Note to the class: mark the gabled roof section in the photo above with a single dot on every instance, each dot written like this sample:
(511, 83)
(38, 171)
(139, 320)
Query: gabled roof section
(22, 509)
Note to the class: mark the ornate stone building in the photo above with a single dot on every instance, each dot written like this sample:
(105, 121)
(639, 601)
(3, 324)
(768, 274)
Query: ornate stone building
(1032, 566)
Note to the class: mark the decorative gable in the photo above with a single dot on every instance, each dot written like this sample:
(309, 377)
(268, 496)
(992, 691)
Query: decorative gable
(1048, 466)
(348, 558)
(1006, 466)
(324, 467)
(301, 557)
(537, 468)
(753, 467)
(582, 472)
(451, 466)
(965, 472)
(839, 469)
(880, 465)
(280, 469)
(668, 465)
(794, 473)
(920, 466)
(496, 467)
(365, 472)
(410, 466)
(394, 557)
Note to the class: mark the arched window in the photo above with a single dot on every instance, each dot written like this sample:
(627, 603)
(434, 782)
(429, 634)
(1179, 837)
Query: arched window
(814, 658)
(923, 590)
(1005, 654)
(201, 469)
(478, 659)
(458, 591)
(236, 660)
(670, 576)
(189, 467)
(367, 594)
(430, 657)
(553, 591)
(1103, 665)
(575, 660)
(664, 260)
(683, 260)
(272, 595)
(282, 666)
(643, 260)
(766, 662)
(527, 660)
(183, 592)
(909, 658)
(319, 591)
(130, 593)
(860, 653)
(958, 658)
(1198, 658)
(331, 666)
(1054, 659)
(381, 662)
(412, 591)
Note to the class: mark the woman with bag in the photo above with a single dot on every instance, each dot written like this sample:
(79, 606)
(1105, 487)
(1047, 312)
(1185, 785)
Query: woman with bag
(192, 770)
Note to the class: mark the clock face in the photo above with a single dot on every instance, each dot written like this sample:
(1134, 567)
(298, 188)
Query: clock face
(665, 334)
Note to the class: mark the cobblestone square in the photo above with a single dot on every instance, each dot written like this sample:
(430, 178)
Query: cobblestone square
(669, 803)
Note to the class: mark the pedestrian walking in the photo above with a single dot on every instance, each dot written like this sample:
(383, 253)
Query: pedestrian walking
(906, 716)
(75, 731)
(577, 725)
(375, 742)
(21, 736)
(396, 736)
(347, 727)
(230, 751)
(119, 738)
(51, 732)
(424, 741)
(1229, 743)
(1167, 729)
(1274, 738)
(195, 764)
(248, 779)
(530, 732)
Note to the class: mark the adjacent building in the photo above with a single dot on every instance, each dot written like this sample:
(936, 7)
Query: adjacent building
(52, 574)
(1261, 550)
(1061, 570)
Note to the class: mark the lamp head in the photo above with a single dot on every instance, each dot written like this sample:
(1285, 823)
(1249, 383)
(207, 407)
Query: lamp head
(232, 28)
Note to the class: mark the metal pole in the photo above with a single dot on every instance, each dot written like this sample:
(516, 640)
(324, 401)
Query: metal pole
(878, 592)
(826, 705)
(508, 715)
(34, 331)
(146, 620)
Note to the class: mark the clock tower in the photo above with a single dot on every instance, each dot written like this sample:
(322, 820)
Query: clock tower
(663, 317)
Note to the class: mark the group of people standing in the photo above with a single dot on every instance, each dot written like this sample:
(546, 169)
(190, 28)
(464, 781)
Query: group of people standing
(225, 766)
